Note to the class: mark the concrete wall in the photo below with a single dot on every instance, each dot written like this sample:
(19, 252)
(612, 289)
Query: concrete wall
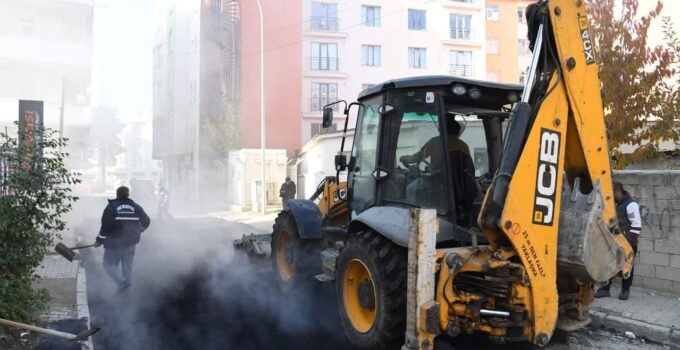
(657, 264)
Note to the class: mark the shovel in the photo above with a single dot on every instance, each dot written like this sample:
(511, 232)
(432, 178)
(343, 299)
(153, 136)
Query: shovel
(67, 252)
(68, 336)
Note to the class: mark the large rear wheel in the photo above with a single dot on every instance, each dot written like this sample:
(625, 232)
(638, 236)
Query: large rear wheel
(295, 260)
(371, 291)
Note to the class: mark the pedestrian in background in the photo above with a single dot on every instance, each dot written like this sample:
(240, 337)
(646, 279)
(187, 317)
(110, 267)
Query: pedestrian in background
(630, 223)
(123, 222)
(287, 192)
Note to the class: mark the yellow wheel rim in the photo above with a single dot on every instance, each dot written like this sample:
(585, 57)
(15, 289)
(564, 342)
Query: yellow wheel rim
(358, 294)
(285, 246)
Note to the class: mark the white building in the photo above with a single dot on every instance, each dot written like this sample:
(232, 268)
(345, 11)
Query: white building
(351, 45)
(46, 51)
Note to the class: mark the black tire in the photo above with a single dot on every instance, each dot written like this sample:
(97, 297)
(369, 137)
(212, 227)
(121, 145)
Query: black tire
(304, 260)
(387, 263)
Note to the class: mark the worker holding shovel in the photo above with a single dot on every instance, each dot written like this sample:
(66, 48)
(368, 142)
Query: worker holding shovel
(123, 222)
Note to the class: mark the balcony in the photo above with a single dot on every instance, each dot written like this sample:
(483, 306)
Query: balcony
(324, 64)
(462, 70)
(324, 24)
(462, 34)
(465, 4)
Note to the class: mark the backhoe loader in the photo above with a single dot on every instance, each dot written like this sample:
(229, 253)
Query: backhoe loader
(522, 231)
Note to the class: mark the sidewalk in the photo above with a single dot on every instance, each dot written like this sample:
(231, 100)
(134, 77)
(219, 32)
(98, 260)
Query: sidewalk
(68, 310)
(261, 223)
(650, 314)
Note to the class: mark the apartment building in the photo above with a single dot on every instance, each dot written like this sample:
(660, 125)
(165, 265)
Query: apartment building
(195, 74)
(350, 45)
(507, 50)
(46, 54)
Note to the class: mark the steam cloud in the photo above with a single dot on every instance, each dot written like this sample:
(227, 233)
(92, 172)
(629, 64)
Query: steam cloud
(191, 291)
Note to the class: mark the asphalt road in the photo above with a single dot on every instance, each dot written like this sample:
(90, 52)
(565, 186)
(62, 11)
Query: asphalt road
(191, 292)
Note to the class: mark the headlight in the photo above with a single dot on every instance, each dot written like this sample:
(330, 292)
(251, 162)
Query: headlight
(513, 97)
(459, 90)
(475, 93)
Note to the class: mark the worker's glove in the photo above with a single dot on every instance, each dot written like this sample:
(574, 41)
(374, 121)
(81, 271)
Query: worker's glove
(98, 242)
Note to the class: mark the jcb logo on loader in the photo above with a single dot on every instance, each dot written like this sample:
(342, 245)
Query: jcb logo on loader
(587, 41)
(546, 178)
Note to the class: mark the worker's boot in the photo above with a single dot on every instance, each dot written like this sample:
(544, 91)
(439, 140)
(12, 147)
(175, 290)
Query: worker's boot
(603, 293)
(624, 294)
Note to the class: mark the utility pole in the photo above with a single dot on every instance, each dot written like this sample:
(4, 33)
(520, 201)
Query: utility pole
(61, 108)
(263, 197)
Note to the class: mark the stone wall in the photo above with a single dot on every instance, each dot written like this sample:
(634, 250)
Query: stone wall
(657, 264)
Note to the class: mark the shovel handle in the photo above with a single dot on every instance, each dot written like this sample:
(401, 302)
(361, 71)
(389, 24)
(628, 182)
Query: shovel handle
(83, 246)
(63, 335)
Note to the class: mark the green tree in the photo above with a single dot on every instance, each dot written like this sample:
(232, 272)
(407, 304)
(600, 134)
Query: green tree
(35, 193)
(104, 140)
(635, 77)
(224, 132)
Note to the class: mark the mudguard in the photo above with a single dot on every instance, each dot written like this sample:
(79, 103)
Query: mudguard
(307, 218)
(392, 222)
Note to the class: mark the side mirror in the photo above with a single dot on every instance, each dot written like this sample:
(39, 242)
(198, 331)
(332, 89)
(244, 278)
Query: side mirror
(340, 162)
(327, 117)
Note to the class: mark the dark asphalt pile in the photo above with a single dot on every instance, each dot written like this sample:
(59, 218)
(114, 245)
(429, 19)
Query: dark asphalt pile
(190, 292)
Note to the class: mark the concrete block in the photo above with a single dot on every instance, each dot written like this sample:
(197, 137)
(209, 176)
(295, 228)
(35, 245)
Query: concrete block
(646, 270)
(654, 258)
(666, 246)
(663, 192)
(674, 205)
(675, 261)
(674, 218)
(644, 193)
(676, 287)
(668, 273)
(658, 284)
(675, 178)
(627, 177)
(645, 244)
(655, 178)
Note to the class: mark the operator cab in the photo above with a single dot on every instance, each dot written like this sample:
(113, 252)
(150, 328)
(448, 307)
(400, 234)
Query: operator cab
(429, 142)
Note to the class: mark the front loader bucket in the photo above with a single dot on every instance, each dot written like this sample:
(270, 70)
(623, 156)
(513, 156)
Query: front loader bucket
(585, 246)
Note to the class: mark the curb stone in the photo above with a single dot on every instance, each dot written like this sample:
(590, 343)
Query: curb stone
(83, 307)
(657, 333)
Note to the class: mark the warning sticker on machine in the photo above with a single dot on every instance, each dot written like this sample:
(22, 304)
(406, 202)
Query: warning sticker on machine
(587, 41)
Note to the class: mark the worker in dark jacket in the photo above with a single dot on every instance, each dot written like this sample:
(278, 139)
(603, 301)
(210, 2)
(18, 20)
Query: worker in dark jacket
(630, 222)
(287, 192)
(123, 222)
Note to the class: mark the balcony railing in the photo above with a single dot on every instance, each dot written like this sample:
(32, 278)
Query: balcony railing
(462, 34)
(324, 63)
(465, 1)
(328, 24)
(462, 70)
(317, 103)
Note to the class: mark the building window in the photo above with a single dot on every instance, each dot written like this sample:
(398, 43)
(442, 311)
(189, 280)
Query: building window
(325, 56)
(461, 63)
(370, 55)
(493, 75)
(416, 20)
(521, 18)
(465, 1)
(370, 16)
(324, 16)
(316, 129)
(493, 46)
(460, 27)
(523, 47)
(323, 94)
(493, 12)
(417, 57)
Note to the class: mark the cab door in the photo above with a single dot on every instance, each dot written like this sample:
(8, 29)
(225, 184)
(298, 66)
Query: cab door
(365, 156)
